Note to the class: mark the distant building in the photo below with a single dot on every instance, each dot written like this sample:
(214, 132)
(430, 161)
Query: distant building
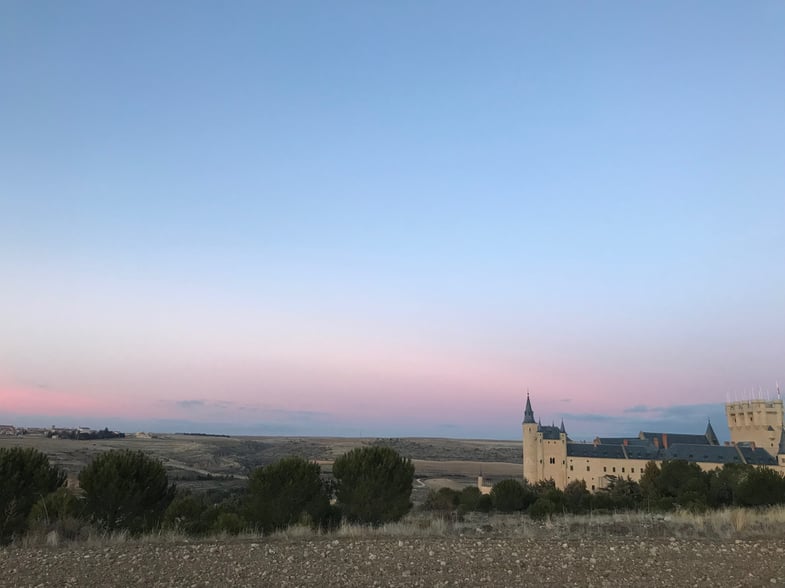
(7, 430)
(757, 438)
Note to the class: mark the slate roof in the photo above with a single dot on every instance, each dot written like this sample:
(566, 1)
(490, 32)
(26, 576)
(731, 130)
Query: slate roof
(591, 450)
(674, 438)
(549, 432)
(622, 440)
(757, 456)
(703, 452)
(528, 413)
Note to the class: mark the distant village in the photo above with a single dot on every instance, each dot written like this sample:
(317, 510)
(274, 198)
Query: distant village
(53, 432)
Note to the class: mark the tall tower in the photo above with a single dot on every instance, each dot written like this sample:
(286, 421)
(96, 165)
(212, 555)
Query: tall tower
(530, 462)
(756, 421)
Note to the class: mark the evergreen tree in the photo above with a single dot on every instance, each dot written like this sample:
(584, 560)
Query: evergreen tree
(285, 492)
(374, 484)
(126, 489)
(25, 478)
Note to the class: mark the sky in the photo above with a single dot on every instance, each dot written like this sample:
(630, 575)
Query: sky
(390, 219)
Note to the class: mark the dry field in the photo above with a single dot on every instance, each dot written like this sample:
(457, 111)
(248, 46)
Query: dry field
(191, 460)
(731, 548)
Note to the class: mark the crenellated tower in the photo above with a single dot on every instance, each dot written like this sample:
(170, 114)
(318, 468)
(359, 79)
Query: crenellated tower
(756, 421)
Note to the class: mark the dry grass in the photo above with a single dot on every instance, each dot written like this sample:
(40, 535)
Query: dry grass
(732, 523)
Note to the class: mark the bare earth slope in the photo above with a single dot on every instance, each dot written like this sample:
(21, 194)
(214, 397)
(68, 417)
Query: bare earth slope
(391, 561)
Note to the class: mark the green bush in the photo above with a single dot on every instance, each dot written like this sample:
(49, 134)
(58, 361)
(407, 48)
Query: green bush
(469, 498)
(126, 490)
(56, 505)
(510, 495)
(676, 483)
(374, 484)
(761, 487)
(484, 504)
(443, 499)
(189, 513)
(577, 499)
(25, 477)
(542, 508)
(288, 491)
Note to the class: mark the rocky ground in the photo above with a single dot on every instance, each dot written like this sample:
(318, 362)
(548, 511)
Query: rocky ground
(402, 561)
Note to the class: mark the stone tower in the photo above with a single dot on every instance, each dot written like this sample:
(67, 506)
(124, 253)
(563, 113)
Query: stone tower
(530, 446)
(756, 421)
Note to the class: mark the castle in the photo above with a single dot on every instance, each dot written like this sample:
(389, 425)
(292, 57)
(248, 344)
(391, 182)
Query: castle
(757, 438)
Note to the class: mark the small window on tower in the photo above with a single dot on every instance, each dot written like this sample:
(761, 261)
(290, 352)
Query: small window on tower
(552, 460)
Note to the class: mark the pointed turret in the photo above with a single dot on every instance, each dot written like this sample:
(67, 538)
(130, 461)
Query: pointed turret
(561, 428)
(781, 450)
(528, 414)
(711, 437)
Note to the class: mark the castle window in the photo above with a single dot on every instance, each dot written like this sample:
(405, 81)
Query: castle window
(604, 469)
(632, 470)
(622, 470)
(588, 468)
(570, 468)
(592, 487)
(553, 460)
(614, 470)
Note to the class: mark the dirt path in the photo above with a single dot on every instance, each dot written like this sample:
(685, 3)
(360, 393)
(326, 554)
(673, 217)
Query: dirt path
(391, 561)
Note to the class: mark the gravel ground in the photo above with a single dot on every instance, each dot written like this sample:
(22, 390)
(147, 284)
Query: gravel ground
(393, 561)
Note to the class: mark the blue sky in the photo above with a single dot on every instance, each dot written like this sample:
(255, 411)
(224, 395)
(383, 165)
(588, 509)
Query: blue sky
(397, 217)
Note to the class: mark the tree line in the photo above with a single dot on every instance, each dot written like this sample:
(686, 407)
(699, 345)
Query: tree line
(124, 490)
(673, 485)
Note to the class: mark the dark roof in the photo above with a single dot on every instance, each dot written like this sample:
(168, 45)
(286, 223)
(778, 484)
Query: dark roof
(528, 413)
(710, 435)
(781, 448)
(591, 450)
(622, 441)
(702, 452)
(757, 456)
(674, 438)
(549, 432)
(644, 452)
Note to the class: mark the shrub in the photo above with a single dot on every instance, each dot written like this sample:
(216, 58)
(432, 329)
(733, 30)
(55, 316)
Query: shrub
(470, 498)
(126, 490)
(510, 495)
(58, 511)
(724, 483)
(374, 484)
(761, 487)
(287, 492)
(484, 504)
(443, 499)
(26, 477)
(59, 504)
(675, 483)
(577, 498)
(542, 508)
(189, 513)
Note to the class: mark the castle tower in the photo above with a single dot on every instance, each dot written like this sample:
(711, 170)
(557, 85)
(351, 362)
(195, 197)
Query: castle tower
(530, 445)
(756, 421)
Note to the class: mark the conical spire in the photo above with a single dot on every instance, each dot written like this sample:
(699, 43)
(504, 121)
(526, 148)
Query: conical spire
(781, 450)
(561, 428)
(528, 414)
(711, 437)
